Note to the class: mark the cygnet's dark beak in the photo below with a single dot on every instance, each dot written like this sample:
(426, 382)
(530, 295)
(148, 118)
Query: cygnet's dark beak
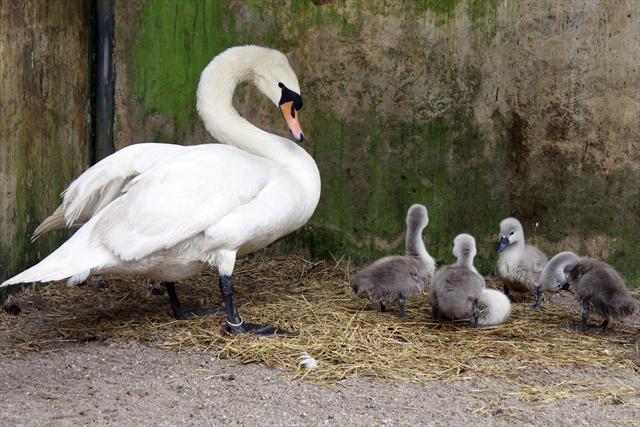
(565, 286)
(504, 241)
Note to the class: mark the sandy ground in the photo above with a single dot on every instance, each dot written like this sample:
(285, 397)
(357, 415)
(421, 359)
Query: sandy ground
(111, 381)
(99, 383)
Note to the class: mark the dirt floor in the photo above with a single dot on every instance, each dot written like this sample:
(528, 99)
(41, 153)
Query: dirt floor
(120, 384)
(108, 355)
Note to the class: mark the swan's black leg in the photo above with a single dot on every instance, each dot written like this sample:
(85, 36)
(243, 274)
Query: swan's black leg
(381, 307)
(401, 302)
(538, 303)
(235, 324)
(605, 326)
(184, 313)
(505, 289)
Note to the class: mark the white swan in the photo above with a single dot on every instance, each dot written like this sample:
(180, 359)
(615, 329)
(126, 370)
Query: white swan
(102, 183)
(198, 205)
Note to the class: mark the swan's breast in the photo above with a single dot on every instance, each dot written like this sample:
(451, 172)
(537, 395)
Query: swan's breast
(282, 206)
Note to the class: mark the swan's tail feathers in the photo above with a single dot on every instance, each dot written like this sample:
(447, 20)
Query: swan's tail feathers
(53, 222)
(45, 271)
(495, 307)
(76, 258)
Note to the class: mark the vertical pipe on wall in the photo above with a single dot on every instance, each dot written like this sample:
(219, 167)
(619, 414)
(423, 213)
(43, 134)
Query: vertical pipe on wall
(104, 80)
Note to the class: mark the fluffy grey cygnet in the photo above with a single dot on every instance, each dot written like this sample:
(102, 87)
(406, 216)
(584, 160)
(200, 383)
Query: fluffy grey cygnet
(457, 288)
(519, 264)
(394, 278)
(596, 285)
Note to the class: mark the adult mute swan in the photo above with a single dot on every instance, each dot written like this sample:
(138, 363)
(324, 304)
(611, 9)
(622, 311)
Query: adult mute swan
(181, 208)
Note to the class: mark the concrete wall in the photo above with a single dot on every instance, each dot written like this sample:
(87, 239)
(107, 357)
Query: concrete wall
(44, 119)
(478, 109)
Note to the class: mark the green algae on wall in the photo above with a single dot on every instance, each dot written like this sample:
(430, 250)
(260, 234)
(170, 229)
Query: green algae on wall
(175, 41)
(45, 125)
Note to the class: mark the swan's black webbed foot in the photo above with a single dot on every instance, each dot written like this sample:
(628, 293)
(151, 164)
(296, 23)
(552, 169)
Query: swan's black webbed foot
(259, 329)
(185, 313)
(235, 324)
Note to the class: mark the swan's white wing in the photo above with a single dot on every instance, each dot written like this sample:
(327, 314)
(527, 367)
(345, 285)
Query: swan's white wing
(179, 199)
(102, 183)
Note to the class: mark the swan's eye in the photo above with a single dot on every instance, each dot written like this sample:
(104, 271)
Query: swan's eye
(290, 96)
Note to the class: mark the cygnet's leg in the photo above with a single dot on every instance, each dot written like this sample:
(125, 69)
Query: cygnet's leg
(538, 303)
(381, 307)
(476, 314)
(505, 289)
(401, 301)
(236, 324)
(585, 317)
(605, 326)
(435, 312)
(184, 313)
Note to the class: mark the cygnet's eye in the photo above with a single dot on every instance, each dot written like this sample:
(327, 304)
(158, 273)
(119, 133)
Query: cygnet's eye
(511, 234)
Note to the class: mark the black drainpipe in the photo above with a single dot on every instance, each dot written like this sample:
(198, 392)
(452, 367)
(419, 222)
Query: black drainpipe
(105, 79)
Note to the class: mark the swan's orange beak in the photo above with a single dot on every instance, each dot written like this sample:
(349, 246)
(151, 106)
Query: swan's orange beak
(291, 117)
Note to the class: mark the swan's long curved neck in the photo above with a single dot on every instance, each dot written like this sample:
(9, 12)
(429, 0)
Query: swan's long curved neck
(560, 261)
(466, 262)
(414, 245)
(215, 105)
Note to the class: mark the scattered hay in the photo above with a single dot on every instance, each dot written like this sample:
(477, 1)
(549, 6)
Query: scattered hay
(342, 333)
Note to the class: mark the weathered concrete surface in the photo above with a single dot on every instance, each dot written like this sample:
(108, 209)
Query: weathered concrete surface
(477, 108)
(44, 119)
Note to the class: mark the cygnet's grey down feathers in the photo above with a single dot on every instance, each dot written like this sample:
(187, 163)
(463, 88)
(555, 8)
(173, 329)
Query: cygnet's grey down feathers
(455, 293)
(524, 275)
(552, 277)
(596, 284)
(519, 264)
(391, 278)
(456, 288)
(394, 278)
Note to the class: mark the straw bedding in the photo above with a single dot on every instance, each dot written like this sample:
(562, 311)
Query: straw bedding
(343, 333)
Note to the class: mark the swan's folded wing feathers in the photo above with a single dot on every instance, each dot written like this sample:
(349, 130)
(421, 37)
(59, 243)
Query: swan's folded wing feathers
(101, 184)
(179, 199)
